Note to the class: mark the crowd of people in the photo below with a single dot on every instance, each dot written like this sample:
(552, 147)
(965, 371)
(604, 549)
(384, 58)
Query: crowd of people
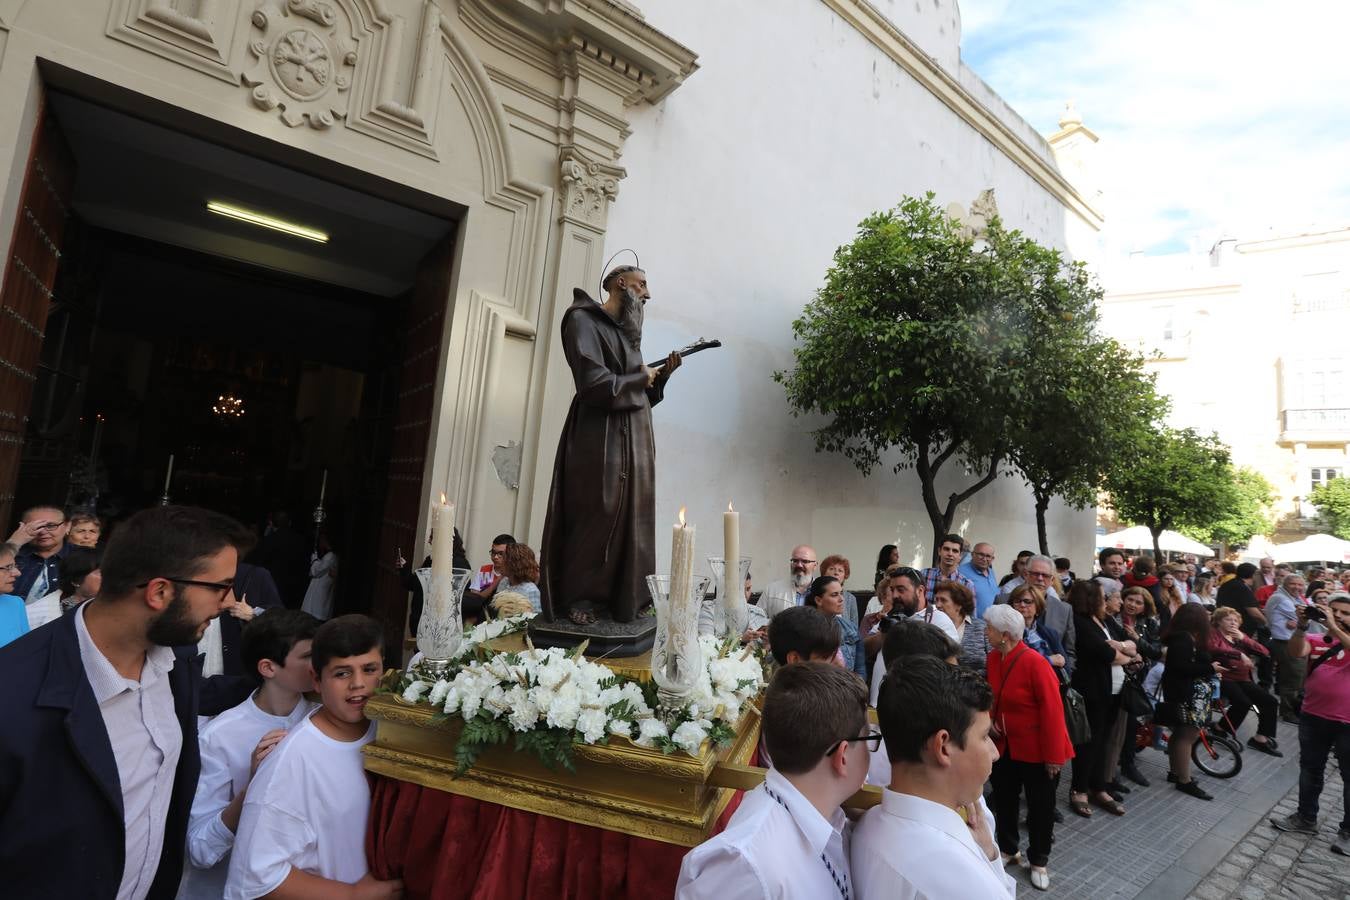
(986, 688)
(159, 741)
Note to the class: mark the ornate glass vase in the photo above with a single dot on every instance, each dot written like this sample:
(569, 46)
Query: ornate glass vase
(676, 657)
(730, 615)
(441, 630)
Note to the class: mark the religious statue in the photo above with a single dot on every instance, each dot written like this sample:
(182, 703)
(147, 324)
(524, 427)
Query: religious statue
(599, 541)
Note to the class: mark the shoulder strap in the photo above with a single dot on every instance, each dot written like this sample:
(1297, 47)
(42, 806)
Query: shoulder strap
(1021, 648)
(1334, 650)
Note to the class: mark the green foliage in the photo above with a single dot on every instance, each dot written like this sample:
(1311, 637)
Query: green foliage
(480, 732)
(552, 746)
(1333, 506)
(1246, 512)
(1174, 479)
(925, 347)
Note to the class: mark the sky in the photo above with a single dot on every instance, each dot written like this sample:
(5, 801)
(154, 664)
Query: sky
(1216, 119)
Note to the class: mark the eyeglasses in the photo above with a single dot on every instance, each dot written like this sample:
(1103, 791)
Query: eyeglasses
(223, 586)
(49, 526)
(10, 568)
(496, 553)
(872, 739)
(798, 561)
(1045, 575)
(983, 555)
(1023, 601)
(905, 571)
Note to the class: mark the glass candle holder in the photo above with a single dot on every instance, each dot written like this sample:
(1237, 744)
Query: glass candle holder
(676, 657)
(441, 630)
(730, 613)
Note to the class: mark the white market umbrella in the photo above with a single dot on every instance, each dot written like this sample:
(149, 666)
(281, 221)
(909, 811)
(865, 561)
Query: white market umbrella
(1138, 537)
(1317, 548)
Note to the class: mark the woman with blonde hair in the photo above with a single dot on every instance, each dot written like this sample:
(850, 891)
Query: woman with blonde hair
(1173, 595)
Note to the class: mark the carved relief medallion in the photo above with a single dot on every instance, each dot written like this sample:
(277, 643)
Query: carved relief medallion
(301, 68)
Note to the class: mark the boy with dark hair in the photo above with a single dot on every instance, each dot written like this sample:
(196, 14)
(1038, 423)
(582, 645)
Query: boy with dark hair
(802, 633)
(906, 637)
(929, 837)
(275, 650)
(98, 753)
(788, 838)
(303, 829)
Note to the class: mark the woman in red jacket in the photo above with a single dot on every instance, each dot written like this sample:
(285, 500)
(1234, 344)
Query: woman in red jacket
(1033, 744)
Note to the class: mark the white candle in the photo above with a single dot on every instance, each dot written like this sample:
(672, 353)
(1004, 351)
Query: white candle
(323, 487)
(683, 606)
(168, 476)
(442, 538)
(733, 591)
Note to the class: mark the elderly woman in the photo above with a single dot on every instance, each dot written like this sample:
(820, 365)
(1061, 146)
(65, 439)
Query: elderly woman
(827, 595)
(838, 567)
(13, 618)
(1121, 723)
(1098, 676)
(957, 601)
(1029, 600)
(1230, 648)
(1033, 744)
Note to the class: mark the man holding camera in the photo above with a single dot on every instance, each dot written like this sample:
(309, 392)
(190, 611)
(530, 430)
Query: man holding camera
(1324, 724)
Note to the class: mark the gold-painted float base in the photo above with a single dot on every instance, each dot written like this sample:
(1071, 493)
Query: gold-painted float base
(619, 787)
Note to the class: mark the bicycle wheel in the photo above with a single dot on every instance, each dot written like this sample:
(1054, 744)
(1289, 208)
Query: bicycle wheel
(1220, 758)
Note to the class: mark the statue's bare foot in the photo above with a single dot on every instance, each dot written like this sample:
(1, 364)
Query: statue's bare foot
(581, 617)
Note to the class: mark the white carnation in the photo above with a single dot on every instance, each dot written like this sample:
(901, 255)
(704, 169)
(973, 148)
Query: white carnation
(415, 691)
(524, 713)
(621, 727)
(438, 692)
(690, 736)
(591, 723)
(649, 730)
(563, 711)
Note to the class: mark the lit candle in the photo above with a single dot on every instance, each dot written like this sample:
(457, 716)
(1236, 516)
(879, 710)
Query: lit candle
(683, 606)
(442, 539)
(733, 591)
(168, 476)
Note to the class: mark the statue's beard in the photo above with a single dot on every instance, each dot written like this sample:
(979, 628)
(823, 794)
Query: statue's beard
(630, 318)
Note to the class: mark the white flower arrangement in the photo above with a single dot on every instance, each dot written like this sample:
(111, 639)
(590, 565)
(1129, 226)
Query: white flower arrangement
(550, 699)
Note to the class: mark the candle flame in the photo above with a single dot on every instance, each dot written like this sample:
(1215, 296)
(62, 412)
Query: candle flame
(681, 516)
(442, 498)
(729, 508)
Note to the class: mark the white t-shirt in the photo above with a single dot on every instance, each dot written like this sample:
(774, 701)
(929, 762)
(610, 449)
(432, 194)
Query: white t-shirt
(306, 808)
(227, 744)
(933, 616)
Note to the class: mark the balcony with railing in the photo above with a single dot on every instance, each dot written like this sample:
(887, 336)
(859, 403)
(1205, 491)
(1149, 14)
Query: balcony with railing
(1315, 425)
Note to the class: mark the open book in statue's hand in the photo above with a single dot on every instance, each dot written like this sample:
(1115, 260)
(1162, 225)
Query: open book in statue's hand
(695, 347)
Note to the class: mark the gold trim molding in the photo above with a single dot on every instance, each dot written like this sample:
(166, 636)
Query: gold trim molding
(873, 24)
(617, 786)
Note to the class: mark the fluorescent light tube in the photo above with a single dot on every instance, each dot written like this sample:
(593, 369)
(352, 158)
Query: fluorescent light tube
(266, 221)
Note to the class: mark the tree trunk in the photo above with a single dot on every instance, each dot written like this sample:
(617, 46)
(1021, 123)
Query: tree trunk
(1042, 505)
(1157, 551)
(941, 518)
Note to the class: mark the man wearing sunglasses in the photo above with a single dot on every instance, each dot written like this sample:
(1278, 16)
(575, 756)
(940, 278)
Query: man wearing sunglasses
(98, 754)
(41, 539)
(789, 838)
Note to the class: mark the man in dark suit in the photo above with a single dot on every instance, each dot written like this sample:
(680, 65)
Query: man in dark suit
(98, 748)
(256, 593)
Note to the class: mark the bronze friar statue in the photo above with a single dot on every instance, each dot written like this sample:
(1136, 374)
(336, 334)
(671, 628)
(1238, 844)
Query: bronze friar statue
(599, 541)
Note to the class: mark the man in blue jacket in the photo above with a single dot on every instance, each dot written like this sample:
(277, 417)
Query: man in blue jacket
(98, 748)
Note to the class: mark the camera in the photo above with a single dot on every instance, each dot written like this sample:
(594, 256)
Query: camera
(1316, 614)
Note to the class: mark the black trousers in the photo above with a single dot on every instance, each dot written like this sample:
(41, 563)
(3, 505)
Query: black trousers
(1087, 759)
(1317, 739)
(1010, 779)
(1241, 696)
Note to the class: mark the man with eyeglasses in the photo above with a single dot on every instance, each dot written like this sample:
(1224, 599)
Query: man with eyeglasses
(786, 593)
(41, 539)
(789, 838)
(979, 570)
(100, 716)
(486, 579)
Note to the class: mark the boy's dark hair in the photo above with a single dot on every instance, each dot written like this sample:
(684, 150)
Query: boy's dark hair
(503, 539)
(76, 566)
(810, 707)
(920, 696)
(349, 635)
(272, 636)
(1063, 563)
(909, 638)
(804, 629)
(952, 539)
(167, 542)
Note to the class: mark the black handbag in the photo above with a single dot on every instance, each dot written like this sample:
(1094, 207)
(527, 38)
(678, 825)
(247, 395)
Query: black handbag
(1134, 699)
(1075, 712)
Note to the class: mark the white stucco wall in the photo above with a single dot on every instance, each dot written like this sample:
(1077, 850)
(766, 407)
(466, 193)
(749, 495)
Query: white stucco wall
(742, 183)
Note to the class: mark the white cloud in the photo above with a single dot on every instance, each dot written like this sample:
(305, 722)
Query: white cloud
(1213, 116)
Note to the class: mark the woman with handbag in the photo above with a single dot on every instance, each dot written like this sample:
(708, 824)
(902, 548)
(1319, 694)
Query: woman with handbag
(1121, 717)
(1139, 618)
(1188, 671)
(1095, 677)
(1230, 647)
(1033, 743)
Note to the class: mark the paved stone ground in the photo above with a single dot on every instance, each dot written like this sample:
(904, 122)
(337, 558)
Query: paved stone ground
(1168, 842)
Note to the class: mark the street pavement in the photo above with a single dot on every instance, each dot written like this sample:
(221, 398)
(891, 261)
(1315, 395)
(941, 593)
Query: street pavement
(1170, 846)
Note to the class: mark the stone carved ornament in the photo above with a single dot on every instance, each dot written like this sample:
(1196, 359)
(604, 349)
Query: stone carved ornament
(303, 59)
(975, 222)
(587, 187)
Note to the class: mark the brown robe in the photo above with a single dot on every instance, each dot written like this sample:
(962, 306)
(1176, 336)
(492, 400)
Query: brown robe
(599, 541)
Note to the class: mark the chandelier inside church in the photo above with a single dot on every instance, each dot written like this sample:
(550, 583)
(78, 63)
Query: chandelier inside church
(228, 406)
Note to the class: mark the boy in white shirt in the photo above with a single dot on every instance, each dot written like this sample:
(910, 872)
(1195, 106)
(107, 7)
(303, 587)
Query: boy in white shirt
(789, 838)
(275, 649)
(928, 840)
(303, 830)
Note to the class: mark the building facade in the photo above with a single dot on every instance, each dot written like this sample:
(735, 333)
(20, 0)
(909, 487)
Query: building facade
(468, 163)
(1245, 340)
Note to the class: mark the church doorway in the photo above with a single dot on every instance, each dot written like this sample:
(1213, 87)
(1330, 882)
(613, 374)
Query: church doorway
(208, 327)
